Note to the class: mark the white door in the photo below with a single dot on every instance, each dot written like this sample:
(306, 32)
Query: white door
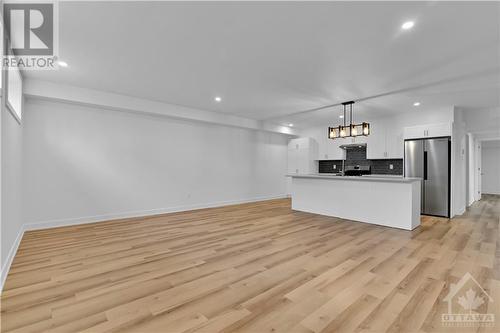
(303, 159)
(323, 148)
(479, 172)
(375, 148)
(438, 130)
(394, 143)
(415, 132)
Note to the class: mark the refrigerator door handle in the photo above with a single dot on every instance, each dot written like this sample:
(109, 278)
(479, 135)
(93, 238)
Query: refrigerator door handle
(425, 165)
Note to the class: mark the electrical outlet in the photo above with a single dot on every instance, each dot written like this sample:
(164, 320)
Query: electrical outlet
(391, 166)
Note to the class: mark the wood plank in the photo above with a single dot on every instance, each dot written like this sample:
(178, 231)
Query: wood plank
(257, 267)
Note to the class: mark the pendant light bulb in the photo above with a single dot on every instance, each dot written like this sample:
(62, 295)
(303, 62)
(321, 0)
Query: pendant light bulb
(354, 130)
(366, 129)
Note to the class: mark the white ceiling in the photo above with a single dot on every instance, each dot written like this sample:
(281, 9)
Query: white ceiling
(270, 60)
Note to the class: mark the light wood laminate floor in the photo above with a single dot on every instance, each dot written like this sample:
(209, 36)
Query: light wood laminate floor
(257, 267)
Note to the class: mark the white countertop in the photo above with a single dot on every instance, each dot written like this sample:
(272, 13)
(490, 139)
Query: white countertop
(369, 178)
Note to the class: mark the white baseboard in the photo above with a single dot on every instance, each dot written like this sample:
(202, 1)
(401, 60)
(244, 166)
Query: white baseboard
(10, 257)
(140, 213)
(492, 192)
(461, 211)
(114, 216)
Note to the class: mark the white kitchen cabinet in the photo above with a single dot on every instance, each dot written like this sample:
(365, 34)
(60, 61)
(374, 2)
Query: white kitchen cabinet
(293, 161)
(334, 152)
(437, 130)
(375, 148)
(329, 149)
(427, 131)
(300, 143)
(385, 142)
(323, 150)
(414, 132)
(302, 153)
(394, 143)
(357, 139)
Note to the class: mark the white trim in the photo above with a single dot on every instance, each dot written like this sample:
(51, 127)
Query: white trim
(10, 257)
(461, 212)
(114, 216)
(140, 213)
(12, 111)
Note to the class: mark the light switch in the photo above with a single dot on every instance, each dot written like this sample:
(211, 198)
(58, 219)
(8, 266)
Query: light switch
(334, 166)
(391, 166)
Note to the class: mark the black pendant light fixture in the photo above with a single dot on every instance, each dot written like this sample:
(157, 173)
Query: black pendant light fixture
(351, 130)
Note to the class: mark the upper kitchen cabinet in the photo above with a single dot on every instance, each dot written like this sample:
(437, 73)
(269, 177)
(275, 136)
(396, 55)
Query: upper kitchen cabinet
(330, 149)
(376, 147)
(394, 143)
(427, 131)
(334, 152)
(302, 153)
(384, 142)
(302, 143)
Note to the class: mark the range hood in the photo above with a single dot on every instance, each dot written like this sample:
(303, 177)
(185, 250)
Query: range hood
(353, 146)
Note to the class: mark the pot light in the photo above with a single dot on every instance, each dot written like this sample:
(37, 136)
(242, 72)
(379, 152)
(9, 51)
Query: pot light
(62, 63)
(291, 125)
(217, 99)
(341, 117)
(416, 104)
(407, 25)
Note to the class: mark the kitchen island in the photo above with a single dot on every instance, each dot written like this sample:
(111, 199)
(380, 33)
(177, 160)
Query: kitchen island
(388, 201)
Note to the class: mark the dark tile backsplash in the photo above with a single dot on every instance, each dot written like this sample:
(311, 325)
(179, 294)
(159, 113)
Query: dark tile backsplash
(357, 156)
(381, 167)
(327, 166)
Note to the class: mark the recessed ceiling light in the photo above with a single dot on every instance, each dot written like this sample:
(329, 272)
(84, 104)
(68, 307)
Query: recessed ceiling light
(217, 99)
(416, 104)
(341, 116)
(291, 125)
(407, 25)
(62, 63)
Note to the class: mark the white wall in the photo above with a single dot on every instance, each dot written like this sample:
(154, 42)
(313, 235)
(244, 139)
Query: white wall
(458, 165)
(84, 164)
(11, 173)
(484, 123)
(490, 164)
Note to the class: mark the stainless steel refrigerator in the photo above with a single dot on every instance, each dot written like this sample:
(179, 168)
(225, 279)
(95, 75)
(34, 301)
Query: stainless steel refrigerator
(429, 159)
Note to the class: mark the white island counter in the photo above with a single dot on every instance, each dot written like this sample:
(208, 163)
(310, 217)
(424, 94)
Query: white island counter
(388, 201)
